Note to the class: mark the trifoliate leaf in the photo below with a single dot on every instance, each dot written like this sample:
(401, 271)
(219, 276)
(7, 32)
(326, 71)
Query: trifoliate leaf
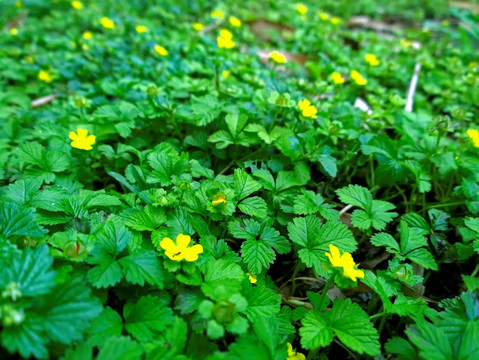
(114, 237)
(107, 272)
(147, 318)
(245, 185)
(315, 332)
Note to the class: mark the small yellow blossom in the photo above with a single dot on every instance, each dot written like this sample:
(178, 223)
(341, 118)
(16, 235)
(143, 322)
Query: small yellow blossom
(180, 251)
(372, 59)
(45, 76)
(234, 21)
(335, 20)
(358, 78)
(344, 261)
(337, 78)
(18, 4)
(474, 135)
(277, 57)
(160, 50)
(14, 31)
(198, 26)
(302, 9)
(225, 40)
(252, 278)
(226, 74)
(293, 355)
(405, 43)
(140, 29)
(77, 5)
(324, 16)
(107, 23)
(217, 14)
(87, 35)
(81, 139)
(307, 109)
(220, 200)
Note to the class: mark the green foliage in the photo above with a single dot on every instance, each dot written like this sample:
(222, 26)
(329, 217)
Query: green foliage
(164, 197)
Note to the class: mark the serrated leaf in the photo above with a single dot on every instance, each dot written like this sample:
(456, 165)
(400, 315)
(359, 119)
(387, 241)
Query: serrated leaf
(148, 218)
(383, 239)
(254, 206)
(108, 323)
(107, 272)
(120, 348)
(245, 185)
(261, 302)
(147, 317)
(15, 221)
(315, 332)
(143, 266)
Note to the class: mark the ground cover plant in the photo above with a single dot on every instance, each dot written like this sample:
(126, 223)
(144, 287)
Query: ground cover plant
(239, 180)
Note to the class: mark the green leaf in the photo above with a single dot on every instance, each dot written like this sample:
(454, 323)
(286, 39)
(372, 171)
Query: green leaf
(355, 195)
(315, 239)
(383, 239)
(120, 348)
(315, 332)
(107, 272)
(351, 325)
(244, 184)
(15, 221)
(147, 318)
(254, 206)
(205, 109)
(257, 255)
(114, 237)
(143, 266)
(148, 218)
(108, 323)
(431, 341)
(402, 348)
(261, 302)
(30, 270)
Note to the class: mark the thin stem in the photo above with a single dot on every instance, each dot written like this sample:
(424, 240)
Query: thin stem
(325, 290)
(375, 316)
(293, 277)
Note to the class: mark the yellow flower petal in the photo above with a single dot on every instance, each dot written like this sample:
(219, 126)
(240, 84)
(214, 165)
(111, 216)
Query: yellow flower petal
(191, 253)
(74, 136)
(182, 241)
(168, 245)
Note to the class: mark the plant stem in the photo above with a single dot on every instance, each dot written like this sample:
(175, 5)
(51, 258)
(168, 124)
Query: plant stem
(375, 316)
(293, 277)
(325, 290)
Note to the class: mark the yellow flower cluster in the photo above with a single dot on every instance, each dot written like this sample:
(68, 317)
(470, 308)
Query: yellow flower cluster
(372, 59)
(45, 76)
(323, 16)
(344, 262)
(217, 14)
(198, 26)
(14, 31)
(294, 355)
(474, 135)
(337, 78)
(160, 50)
(81, 140)
(140, 29)
(107, 23)
(180, 250)
(87, 35)
(277, 57)
(307, 109)
(77, 5)
(234, 21)
(358, 78)
(225, 40)
(302, 9)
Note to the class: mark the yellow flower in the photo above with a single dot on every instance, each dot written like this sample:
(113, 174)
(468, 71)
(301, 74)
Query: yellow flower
(14, 31)
(474, 135)
(225, 40)
(405, 43)
(372, 59)
(345, 262)
(160, 50)
(302, 9)
(220, 200)
(226, 34)
(78, 5)
(45, 76)
(87, 35)
(197, 26)
(358, 78)
(18, 4)
(293, 355)
(217, 14)
(81, 139)
(307, 109)
(337, 78)
(335, 20)
(252, 278)
(107, 23)
(180, 250)
(234, 21)
(324, 16)
(277, 57)
(226, 74)
(140, 29)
